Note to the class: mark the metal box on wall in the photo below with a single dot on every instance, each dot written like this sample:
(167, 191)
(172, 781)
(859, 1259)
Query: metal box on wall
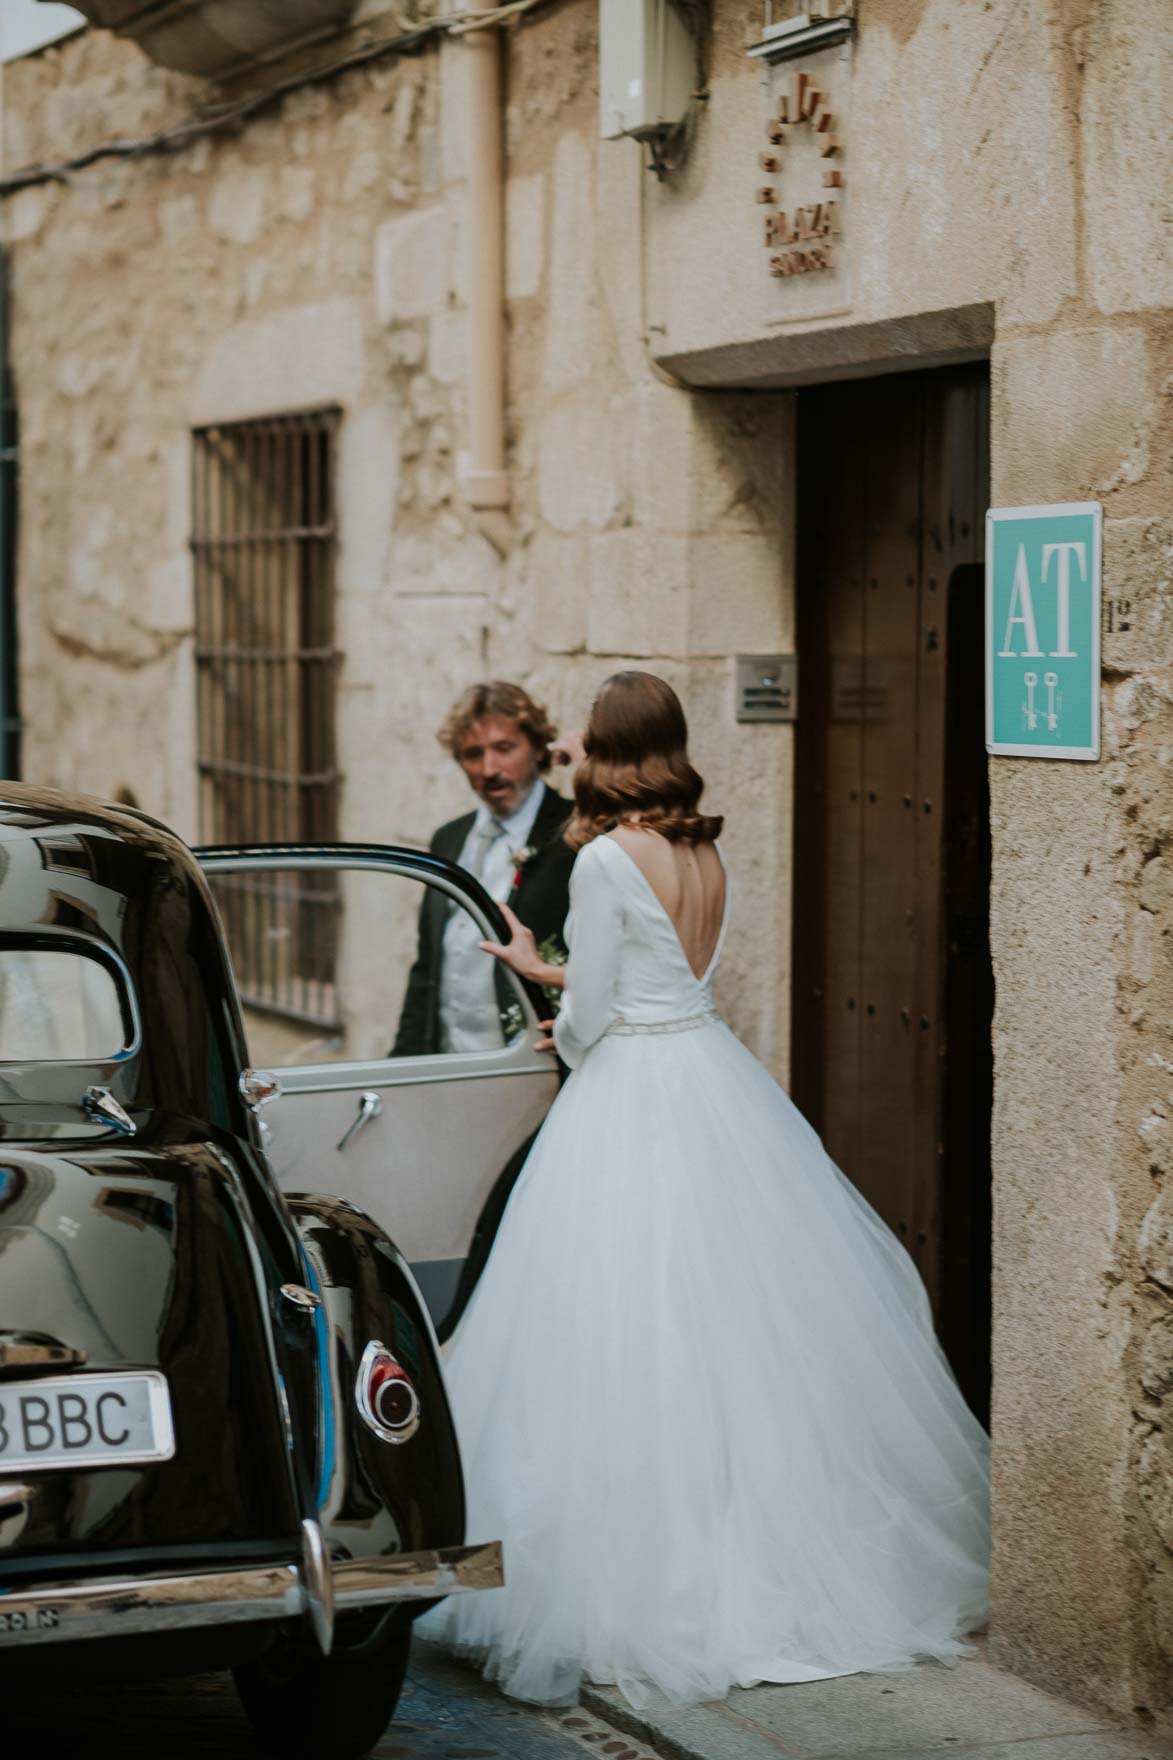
(647, 67)
(767, 687)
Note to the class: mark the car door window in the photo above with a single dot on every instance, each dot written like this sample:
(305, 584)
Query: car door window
(337, 965)
(409, 1079)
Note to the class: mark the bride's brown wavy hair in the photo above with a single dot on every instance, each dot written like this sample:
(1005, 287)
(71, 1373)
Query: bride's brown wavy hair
(637, 767)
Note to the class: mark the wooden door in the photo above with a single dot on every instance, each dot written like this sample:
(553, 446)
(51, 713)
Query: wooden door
(891, 846)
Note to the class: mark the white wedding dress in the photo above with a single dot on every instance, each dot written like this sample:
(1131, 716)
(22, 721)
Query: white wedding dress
(697, 1389)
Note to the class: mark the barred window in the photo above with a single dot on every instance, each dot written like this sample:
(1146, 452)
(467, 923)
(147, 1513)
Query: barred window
(263, 542)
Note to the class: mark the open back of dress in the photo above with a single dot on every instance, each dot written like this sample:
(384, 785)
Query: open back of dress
(688, 882)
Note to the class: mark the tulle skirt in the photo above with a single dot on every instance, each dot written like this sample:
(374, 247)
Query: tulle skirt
(700, 1400)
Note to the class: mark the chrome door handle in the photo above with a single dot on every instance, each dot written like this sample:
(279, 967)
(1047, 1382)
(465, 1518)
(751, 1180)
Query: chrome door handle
(99, 1103)
(307, 1301)
(369, 1106)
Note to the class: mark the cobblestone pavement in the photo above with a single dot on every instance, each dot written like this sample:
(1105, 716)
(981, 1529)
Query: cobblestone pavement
(446, 1713)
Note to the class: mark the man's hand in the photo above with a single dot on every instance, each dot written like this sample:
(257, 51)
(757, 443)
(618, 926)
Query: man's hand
(546, 1044)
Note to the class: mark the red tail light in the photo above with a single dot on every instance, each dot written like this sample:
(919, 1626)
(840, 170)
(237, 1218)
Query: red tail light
(386, 1395)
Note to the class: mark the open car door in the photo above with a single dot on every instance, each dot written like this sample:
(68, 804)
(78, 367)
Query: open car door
(344, 1015)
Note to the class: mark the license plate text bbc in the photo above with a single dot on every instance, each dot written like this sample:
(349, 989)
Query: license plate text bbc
(78, 1424)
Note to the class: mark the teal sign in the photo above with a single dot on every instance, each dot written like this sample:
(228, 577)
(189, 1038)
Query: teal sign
(1043, 631)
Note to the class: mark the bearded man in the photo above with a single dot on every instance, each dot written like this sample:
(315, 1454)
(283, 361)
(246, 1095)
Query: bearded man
(512, 841)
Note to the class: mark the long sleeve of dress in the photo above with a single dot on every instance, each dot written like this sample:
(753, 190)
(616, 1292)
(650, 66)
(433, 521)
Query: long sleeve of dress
(595, 937)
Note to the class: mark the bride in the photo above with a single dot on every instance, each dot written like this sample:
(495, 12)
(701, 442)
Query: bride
(697, 1388)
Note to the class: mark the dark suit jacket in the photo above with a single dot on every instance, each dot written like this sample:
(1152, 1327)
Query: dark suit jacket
(540, 898)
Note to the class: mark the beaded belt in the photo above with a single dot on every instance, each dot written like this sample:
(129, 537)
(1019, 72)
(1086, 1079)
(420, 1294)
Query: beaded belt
(681, 1026)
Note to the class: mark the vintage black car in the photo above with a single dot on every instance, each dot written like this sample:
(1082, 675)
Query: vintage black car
(224, 1437)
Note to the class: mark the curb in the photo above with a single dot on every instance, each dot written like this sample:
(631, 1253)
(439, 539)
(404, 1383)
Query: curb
(632, 1724)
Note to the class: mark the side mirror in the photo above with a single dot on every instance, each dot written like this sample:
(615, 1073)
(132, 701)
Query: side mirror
(259, 1086)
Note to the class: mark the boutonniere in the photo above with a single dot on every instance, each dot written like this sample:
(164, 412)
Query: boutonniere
(521, 858)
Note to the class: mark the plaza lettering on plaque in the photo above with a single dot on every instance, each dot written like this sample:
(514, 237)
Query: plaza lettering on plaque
(801, 238)
(1043, 631)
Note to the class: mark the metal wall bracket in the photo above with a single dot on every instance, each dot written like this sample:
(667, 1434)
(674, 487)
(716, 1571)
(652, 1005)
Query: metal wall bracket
(211, 40)
(802, 35)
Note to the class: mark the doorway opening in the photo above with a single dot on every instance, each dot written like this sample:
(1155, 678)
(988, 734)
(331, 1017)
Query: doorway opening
(893, 985)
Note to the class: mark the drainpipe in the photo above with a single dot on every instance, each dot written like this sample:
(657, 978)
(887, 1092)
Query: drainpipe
(483, 477)
(9, 463)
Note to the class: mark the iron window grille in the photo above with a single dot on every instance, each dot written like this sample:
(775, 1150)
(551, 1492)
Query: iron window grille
(263, 543)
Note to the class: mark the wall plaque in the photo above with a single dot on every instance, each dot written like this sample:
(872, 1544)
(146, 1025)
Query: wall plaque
(802, 224)
(767, 687)
(1043, 631)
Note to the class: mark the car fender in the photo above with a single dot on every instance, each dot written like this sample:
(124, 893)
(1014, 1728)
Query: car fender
(375, 1497)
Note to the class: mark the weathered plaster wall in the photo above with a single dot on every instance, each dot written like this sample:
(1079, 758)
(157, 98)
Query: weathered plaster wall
(318, 257)
(962, 186)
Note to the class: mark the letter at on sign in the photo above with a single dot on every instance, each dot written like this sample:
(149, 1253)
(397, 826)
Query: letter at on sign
(1064, 551)
(1022, 610)
(1043, 617)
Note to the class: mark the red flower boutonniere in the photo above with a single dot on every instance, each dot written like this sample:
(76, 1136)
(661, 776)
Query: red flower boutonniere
(521, 858)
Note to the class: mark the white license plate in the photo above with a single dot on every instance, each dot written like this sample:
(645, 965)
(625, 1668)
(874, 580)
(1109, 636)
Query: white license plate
(85, 1421)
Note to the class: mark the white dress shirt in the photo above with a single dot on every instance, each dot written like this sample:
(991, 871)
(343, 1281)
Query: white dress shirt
(469, 1018)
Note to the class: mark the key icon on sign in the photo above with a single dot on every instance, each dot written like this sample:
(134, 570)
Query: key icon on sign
(1030, 679)
(1054, 699)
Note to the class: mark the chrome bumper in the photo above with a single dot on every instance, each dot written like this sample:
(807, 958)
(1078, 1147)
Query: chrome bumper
(122, 1607)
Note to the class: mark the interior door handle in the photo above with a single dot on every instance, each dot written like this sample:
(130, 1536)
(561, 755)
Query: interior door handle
(369, 1106)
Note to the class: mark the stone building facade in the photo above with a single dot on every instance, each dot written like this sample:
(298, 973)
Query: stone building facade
(1005, 169)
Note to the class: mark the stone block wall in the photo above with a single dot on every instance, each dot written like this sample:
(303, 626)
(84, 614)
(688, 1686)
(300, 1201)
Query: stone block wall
(1084, 927)
(318, 257)
(1082, 923)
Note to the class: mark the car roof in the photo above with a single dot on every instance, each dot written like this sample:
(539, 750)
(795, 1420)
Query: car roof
(75, 869)
(30, 809)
